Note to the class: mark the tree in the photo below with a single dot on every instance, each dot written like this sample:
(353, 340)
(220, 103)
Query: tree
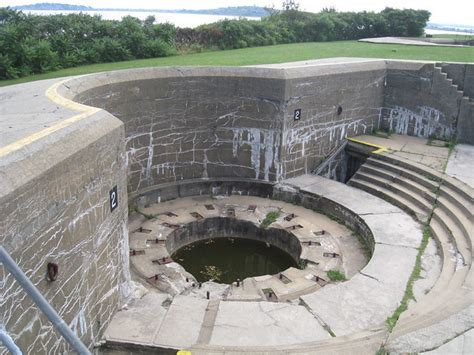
(290, 5)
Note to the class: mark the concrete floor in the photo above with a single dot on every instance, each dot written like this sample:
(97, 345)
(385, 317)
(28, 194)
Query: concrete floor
(217, 323)
(416, 149)
(460, 163)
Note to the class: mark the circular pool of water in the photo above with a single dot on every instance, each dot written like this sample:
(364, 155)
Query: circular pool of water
(225, 260)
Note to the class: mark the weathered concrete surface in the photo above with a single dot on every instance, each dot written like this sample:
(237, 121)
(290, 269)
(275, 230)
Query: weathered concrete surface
(333, 106)
(460, 163)
(415, 149)
(462, 75)
(336, 239)
(461, 345)
(370, 297)
(182, 323)
(264, 323)
(204, 123)
(19, 120)
(442, 296)
(139, 321)
(54, 207)
(435, 336)
(466, 122)
(420, 101)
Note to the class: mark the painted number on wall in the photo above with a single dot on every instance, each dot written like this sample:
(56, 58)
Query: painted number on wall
(297, 114)
(113, 198)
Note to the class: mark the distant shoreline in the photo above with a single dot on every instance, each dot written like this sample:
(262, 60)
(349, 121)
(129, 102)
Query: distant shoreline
(243, 11)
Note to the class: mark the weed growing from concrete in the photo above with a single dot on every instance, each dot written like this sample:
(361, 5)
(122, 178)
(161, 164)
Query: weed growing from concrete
(449, 144)
(415, 275)
(303, 264)
(336, 275)
(270, 218)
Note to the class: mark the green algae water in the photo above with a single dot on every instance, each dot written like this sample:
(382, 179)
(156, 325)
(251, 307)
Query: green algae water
(227, 259)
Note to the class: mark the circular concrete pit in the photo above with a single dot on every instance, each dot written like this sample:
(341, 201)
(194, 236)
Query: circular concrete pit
(315, 243)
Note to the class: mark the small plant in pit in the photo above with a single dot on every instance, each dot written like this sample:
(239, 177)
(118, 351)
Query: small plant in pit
(270, 218)
(303, 264)
(336, 275)
(212, 272)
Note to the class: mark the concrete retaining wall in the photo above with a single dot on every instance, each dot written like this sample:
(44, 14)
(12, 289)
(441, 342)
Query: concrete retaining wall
(419, 101)
(334, 106)
(462, 75)
(330, 208)
(213, 123)
(54, 207)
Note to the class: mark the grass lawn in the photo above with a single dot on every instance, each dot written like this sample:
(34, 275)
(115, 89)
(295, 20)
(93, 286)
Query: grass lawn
(275, 54)
(455, 36)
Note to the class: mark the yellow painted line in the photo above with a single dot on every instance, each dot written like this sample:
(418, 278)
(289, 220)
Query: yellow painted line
(52, 94)
(380, 148)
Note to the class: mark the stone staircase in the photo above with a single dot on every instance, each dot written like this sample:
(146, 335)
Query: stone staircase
(440, 70)
(447, 205)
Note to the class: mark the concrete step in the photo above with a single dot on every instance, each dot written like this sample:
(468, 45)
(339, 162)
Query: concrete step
(449, 286)
(460, 216)
(418, 178)
(457, 199)
(452, 301)
(407, 193)
(395, 177)
(459, 239)
(446, 249)
(459, 187)
(399, 201)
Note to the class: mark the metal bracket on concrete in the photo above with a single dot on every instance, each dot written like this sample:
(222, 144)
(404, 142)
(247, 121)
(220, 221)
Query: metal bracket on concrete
(42, 303)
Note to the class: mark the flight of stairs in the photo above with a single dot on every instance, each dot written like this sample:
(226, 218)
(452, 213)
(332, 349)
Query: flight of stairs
(439, 70)
(447, 204)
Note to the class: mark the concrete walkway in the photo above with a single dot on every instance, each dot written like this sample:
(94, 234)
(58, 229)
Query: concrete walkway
(461, 163)
(370, 297)
(420, 150)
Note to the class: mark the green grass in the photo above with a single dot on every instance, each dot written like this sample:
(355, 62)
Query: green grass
(454, 36)
(336, 275)
(274, 54)
(270, 218)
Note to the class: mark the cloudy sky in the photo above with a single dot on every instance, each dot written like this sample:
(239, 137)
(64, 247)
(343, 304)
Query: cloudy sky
(448, 12)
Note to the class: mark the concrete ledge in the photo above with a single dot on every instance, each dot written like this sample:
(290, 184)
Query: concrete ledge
(368, 299)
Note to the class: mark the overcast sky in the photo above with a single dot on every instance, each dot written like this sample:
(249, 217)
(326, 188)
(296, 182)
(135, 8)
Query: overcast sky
(450, 12)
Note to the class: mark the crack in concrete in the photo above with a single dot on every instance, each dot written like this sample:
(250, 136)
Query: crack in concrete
(370, 277)
(397, 245)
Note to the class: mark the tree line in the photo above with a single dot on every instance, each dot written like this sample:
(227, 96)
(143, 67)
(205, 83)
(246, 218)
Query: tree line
(31, 44)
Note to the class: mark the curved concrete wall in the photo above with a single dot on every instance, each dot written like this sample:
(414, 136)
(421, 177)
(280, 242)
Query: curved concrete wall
(212, 123)
(54, 207)
(224, 227)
